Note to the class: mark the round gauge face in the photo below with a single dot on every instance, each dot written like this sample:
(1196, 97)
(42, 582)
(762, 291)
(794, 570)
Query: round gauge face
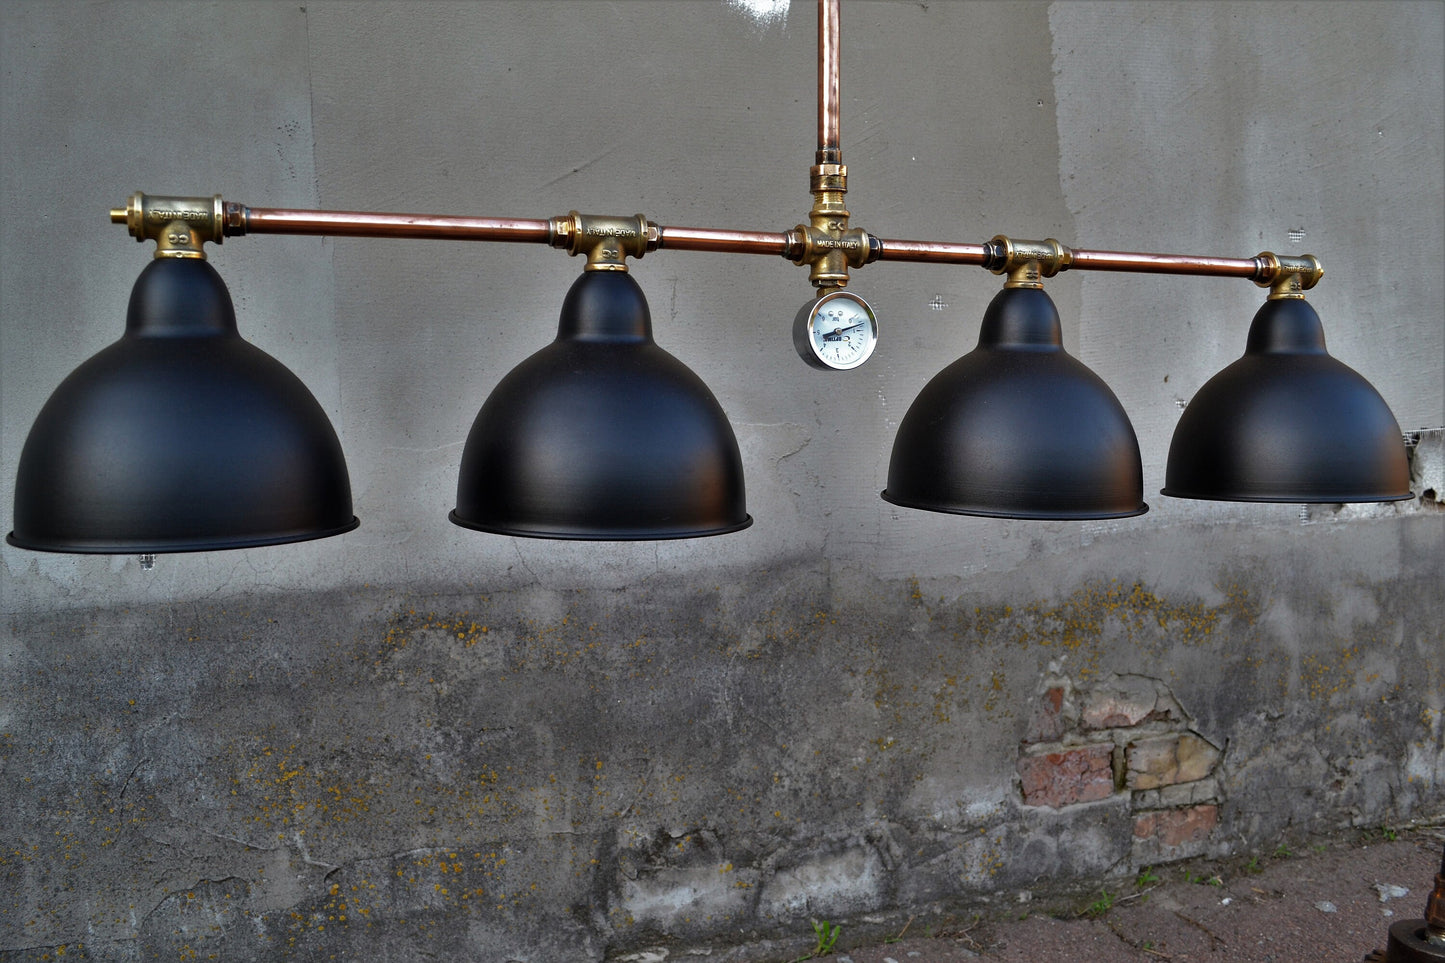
(837, 331)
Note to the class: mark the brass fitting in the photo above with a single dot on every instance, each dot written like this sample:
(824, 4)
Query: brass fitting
(607, 240)
(825, 243)
(1435, 910)
(829, 253)
(1287, 277)
(178, 225)
(1027, 263)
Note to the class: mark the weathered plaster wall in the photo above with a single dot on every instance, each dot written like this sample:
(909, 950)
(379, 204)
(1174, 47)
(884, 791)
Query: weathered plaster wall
(416, 739)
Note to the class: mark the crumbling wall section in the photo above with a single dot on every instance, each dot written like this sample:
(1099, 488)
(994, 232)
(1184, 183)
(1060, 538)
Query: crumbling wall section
(546, 774)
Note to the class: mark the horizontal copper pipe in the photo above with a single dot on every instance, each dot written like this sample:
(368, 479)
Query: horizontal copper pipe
(271, 220)
(1080, 260)
(727, 242)
(932, 252)
(1164, 264)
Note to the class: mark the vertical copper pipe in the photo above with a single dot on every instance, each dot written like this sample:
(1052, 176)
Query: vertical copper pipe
(830, 145)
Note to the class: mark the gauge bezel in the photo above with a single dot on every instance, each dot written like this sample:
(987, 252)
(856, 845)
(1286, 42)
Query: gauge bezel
(807, 348)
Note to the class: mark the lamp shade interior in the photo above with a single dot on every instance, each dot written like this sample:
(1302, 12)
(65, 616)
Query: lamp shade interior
(1017, 428)
(602, 435)
(179, 437)
(1287, 423)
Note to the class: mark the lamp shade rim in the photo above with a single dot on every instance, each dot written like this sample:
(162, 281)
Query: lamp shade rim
(600, 533)
(1029, 514)
(174, 546)
(1286, 498)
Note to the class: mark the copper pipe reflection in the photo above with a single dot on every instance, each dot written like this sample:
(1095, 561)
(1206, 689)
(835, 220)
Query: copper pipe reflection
(271, 220)
(830, 145)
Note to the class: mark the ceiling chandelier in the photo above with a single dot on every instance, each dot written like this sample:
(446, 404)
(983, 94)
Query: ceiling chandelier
(181, 436)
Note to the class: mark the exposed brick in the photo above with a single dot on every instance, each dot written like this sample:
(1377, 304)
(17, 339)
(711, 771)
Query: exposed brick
(1071, 776)
(1128, 700)
(1047, 724)
(1174, 797)
(1177, 827)
(1123, 701)
(1167, 760)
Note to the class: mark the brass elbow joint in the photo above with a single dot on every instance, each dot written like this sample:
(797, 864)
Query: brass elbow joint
(606, 240)
(178, 225)
(1287, 277)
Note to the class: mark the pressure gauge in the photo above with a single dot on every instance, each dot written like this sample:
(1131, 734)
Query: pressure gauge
(835, 332)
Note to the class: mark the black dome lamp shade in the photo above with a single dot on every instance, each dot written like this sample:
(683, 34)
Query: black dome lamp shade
(1017, 428)
(1287, 423)
(179, 437)
(602, 435)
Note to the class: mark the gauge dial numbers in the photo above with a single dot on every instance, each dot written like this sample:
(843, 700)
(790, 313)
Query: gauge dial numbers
(835, 332)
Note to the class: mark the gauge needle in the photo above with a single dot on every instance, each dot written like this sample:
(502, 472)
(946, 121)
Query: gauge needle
(837, 333)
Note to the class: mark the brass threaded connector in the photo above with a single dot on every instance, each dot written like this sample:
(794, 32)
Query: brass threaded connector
(178, 225)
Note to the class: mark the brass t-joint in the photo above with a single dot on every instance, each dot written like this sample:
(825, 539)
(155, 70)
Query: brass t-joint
(825, 243)
(1027, 263)
(607, 240)
(1287, 277)
(178, 225)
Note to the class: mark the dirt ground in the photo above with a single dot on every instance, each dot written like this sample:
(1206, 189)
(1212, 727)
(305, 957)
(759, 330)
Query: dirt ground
(1331, 902)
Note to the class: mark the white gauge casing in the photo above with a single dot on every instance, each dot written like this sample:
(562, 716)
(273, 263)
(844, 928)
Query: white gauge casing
(835, 332)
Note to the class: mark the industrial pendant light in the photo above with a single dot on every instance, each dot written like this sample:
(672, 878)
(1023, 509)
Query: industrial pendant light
(1017, 428)
(179, 437)
(602, 435)
(1287, 423)
(182, 437)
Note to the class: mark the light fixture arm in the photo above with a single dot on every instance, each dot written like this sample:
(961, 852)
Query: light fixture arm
(181, 225)
(1028, 262)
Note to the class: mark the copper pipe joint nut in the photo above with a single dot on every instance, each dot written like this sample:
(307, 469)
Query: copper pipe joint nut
(828, 177)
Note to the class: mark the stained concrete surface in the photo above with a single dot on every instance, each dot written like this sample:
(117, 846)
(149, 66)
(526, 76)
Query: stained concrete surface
(1329, 901)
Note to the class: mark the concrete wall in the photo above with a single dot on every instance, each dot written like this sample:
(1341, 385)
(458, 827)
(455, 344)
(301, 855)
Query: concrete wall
(415, 741)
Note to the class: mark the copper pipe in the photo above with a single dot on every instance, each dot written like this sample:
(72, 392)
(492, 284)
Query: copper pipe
(271, 220)
(1164, 264)
(932, 252)
(1080, 260)
(830, 144)
(727, 242)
